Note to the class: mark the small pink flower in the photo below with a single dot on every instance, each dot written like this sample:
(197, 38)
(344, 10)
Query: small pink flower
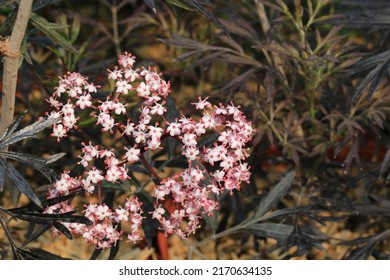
(189, 139)
(84, 101)
(126, 60)
(132, 154)
(122, 86)
(122, 214)
(94, 175)
(143, 90)
(202, 104)
(191, 153)
(174, 129)
(59, 131)
(115, 74)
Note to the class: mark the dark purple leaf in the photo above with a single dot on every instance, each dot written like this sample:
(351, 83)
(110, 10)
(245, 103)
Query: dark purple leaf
(63, 229)
(385, 163)
(20, 182)
(13, 125)
(27, 132)
(151, 4)
(279, 232)
(38, 163)
(2, 178)
(45, 255)
(275, 195)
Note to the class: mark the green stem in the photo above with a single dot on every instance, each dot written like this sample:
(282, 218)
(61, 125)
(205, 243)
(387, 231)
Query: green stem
(273, 128)
(114, 12)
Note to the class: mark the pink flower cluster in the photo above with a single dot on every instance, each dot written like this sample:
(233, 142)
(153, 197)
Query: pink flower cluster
(192, 190)
(78, 91)
(103, 233)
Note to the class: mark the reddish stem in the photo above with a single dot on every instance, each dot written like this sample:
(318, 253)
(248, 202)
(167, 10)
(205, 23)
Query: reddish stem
(100, 192)
(142, 157)
(149, 167)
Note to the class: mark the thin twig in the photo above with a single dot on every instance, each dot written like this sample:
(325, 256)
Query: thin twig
(142, 158)
(9, 237)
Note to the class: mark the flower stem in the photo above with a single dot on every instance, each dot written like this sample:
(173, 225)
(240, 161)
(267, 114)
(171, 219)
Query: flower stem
(142, 158)
(114, 12)
(150, 168)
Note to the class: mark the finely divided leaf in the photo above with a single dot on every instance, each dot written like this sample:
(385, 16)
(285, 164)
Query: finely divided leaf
(45, 255)
(38, 163)
(151, 4)
(179, 4)
(2, 174)
(5, 3)
(149, 225)
(372, 79)
(20, 183)
(385, 163)
(27, 132)
(96, 253)
(43, 3)
(51, 30)
(200, 8)
(13, 125)
(41, 218)
(239, 82)
(33, 235)
(275, 195)
(63, 229)
(279, 232)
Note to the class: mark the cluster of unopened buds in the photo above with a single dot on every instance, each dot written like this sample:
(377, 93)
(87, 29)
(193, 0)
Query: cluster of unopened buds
(192, 190)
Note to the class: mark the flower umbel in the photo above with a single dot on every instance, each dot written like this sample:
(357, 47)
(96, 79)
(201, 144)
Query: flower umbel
(192, 189)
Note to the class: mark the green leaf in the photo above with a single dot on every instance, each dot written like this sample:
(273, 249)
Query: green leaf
(75, 30)
(24, 53)
(51, 30)
(180, 4)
